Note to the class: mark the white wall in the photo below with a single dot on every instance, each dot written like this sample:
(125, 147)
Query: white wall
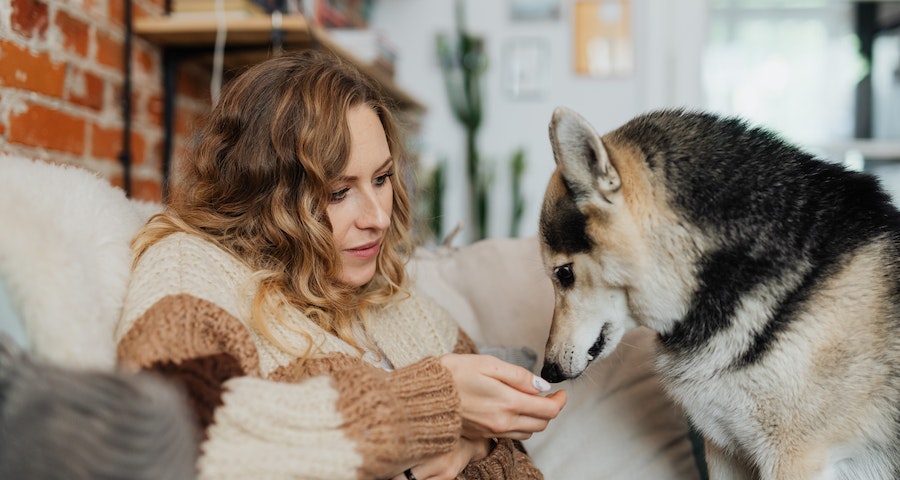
(668, 39)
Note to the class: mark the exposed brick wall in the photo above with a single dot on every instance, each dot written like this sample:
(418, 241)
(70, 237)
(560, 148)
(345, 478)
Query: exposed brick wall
(61, 87)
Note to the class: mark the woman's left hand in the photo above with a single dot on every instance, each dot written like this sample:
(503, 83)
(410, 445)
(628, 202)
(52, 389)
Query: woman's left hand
(447, 466)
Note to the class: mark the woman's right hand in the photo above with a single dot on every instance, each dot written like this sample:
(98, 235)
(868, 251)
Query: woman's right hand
(447, 466)
(499, 399)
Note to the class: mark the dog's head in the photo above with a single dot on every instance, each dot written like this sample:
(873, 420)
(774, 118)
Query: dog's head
(604, 243)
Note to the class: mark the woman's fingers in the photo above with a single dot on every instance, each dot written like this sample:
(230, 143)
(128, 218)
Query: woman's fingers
(523, 425)
(501, 399)
(542, 407)
(515, 376)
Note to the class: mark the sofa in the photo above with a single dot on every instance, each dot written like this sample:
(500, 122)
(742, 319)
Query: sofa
(64, 268)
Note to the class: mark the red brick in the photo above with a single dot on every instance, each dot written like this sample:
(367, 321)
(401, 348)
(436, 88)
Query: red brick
(30, 18)
(107, 142)
(29, 71)
(116, 181)
(137, 95)
(74, 33)
(146, 189)
(157, 152)
(144, 61)
(154, 110)
(94, 6)
(141, 11)
(138, 148)
(85, 88)
(116, 12)
(39, 126)
(110, 51)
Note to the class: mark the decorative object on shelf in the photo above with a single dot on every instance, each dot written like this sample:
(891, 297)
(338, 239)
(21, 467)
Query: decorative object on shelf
(338, 13)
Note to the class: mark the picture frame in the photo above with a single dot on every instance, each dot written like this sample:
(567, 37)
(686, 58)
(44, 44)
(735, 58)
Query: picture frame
(526, 67)
(604, 43)
(528, 10)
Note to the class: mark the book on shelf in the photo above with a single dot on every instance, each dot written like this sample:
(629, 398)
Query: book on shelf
(337, 13)
(231, 7)
(241, 7)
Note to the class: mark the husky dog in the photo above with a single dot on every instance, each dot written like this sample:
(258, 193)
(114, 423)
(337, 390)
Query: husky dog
(771, 277)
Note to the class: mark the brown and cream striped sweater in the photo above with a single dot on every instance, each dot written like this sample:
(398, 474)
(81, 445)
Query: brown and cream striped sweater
(265, 413)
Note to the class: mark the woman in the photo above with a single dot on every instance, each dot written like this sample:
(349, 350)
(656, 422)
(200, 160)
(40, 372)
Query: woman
(273, 289)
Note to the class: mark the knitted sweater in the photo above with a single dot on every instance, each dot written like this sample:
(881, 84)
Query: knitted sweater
(265, 413)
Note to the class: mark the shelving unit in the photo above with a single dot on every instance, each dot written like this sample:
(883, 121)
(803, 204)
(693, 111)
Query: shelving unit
(249, 39)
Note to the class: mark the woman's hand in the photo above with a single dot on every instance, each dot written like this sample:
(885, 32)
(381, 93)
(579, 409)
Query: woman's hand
(449, 465)
(499, 399)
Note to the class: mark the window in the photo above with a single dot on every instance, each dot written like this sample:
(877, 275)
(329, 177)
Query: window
(791, 66)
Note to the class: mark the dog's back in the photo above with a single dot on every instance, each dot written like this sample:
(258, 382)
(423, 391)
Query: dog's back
(767, 206)
(786, 346)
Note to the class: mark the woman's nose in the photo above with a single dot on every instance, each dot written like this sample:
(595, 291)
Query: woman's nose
(375, 211)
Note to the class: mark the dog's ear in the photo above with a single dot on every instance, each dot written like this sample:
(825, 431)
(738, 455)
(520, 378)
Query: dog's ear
(581, 157)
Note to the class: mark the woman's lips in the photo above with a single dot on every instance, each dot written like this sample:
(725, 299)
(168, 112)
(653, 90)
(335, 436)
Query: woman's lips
(365, 251)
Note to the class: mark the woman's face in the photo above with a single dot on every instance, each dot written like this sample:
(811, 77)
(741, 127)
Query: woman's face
(362, 198)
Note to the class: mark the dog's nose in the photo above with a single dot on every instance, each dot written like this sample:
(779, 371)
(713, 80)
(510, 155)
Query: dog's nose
(552, 373)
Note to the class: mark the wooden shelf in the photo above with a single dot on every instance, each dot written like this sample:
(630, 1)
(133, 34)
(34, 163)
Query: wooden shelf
(249, 39)
(195, 31)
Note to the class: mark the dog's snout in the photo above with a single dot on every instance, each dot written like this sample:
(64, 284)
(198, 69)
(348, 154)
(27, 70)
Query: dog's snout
(552, 373)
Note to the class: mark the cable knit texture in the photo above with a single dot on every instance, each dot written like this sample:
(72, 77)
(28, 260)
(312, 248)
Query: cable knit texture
(268, 414)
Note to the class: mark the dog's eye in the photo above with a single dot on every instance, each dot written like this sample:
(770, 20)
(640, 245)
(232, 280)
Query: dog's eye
(564, 275)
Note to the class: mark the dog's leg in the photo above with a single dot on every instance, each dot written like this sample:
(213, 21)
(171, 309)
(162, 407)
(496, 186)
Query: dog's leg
(725, 466)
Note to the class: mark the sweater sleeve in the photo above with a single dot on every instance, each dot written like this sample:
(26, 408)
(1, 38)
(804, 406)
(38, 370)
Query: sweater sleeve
(330, 417)
(507, 460)
(339, 425)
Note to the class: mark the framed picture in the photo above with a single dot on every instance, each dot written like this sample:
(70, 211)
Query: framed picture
(534, 9)
(526, 67)
(604, 46)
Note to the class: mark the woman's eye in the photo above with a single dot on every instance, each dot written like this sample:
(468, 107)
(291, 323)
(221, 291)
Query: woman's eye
(339, 195)
(382, 179)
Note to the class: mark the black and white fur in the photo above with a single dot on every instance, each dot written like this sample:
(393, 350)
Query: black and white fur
(771, 278)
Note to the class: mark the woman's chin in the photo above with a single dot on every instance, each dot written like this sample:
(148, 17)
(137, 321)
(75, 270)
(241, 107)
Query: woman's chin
(357, 277)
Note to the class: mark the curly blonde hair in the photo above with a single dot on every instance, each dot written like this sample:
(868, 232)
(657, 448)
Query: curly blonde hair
(260, 181)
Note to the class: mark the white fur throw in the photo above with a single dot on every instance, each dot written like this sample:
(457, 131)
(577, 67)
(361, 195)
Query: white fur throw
(65, 257)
